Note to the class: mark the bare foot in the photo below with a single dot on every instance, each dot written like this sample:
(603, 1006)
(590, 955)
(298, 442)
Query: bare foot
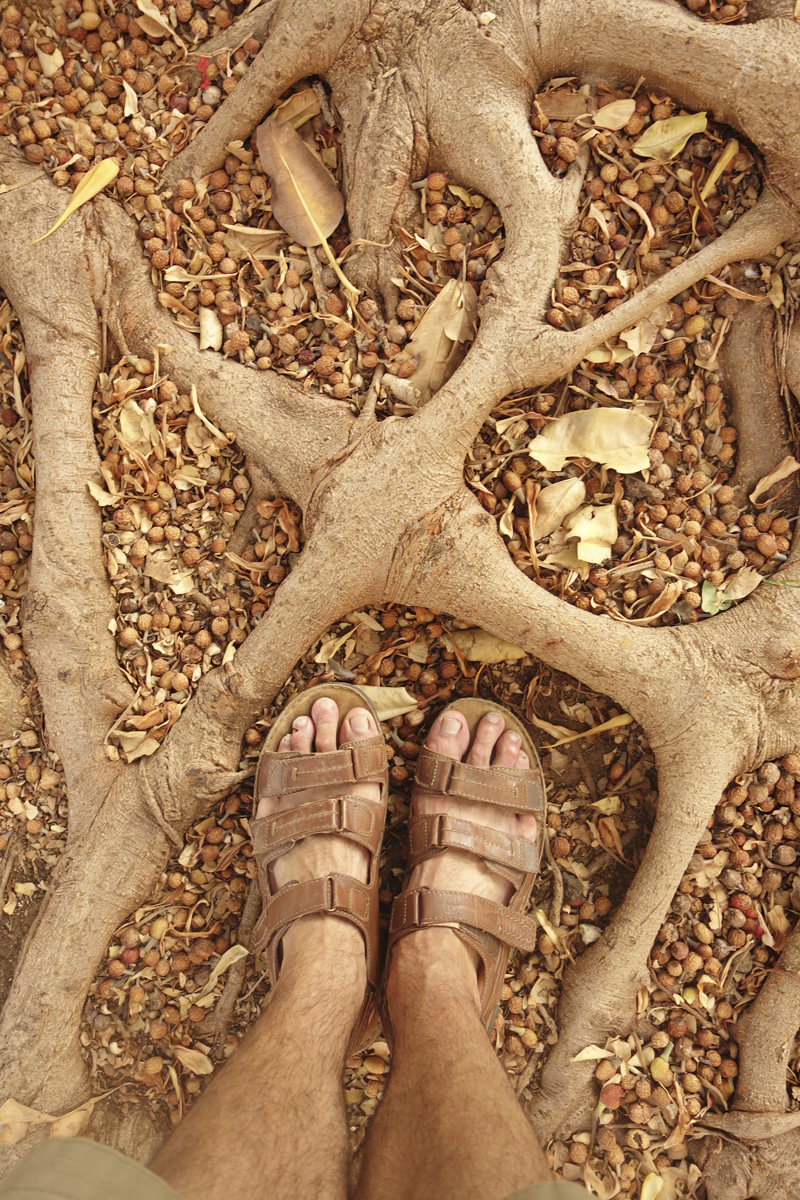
(458, 870)
(328, 854)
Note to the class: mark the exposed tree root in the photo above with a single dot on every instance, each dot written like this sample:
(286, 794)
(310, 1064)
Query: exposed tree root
(748, 361)
(386, 511)
(758, 1156)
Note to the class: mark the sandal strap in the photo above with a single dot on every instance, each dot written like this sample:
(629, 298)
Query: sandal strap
(503, 786)
(336, 894)
(351, 816)
(421, 908)
(355, 762)
(440, 831)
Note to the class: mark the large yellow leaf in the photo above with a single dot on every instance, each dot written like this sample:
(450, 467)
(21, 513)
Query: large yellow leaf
(664, 139)
(95, 180)
(305, 199)
(614, 436)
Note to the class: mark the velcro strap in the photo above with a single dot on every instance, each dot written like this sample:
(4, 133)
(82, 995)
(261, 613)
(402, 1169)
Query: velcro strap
(348, 815)
(353, 763)
(333, 894)
(444, 831)
(420, 908)
(520, 790)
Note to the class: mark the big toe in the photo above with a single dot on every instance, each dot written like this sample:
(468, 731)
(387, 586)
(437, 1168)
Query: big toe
(449, 734)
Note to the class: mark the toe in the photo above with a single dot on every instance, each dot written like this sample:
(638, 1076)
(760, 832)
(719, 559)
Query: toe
(486, 735)
(325, 715)
(449, 734)
(358, 725)
(507, 750)
(302, 737)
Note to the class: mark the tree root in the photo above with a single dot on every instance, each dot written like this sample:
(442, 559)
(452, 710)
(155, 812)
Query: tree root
(761, 1159)
(748, 363)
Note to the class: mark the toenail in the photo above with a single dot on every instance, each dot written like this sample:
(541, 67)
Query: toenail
(299, 722)
(326, 703)
(450, 725)
(493, 718)
(287, 740)
(513, 737)
(359, 722)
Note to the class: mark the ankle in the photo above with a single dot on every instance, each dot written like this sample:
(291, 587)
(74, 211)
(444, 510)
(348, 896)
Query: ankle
(324, 954)
(432, 967)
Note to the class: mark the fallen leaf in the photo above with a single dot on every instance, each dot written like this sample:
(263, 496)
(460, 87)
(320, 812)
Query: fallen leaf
(712, 601)
(165, 570)
(390, 702)
(328, 649)
(664, 139)
(653, 1183)
(137, 427)
(305, 199)
(775, 295)
(568, 559)
(786, 467)
(614, 354)
(210, 330)
(616, 437)
(740, 584)
(73, 1123)
(100, 494)
(595, 527)
(366, 619)
(556, 502)
(461, 193)
(478, 645)
(194, 1060)
(228, 959)
(605, 1188)
(298, 109)
(95, 180)
(641, 338)
(724, 160)
(144, 750)
(51, 64)
(591, 1054)
(131, 100)
(614, 723)
(610, 806)
(438, 342)
(610, 835)
(615, 115)
(15, 1120)
(154, 24)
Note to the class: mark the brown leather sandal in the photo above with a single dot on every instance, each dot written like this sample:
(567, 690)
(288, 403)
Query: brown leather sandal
(329, 809)
(492, 930)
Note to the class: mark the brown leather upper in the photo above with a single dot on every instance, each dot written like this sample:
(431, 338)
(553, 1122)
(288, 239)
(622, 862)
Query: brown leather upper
(488, 928)
(504, 786)
(327, 810)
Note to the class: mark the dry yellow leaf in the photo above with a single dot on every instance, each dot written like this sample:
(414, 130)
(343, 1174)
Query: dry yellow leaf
(95, 180)
(614, 436)
(439, 342)
(664, 139)
(615, 115)
(305, 199)
(298, 109)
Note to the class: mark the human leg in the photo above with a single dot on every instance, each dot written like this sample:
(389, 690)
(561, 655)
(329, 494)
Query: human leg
(450, 1125)
(274, 1119)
